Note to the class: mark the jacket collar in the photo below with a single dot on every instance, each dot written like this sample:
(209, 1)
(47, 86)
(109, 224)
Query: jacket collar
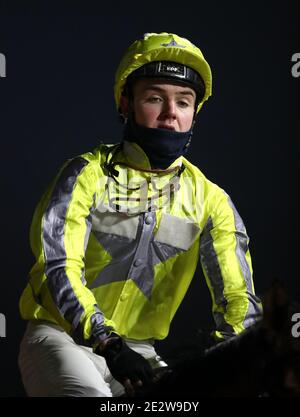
(135, 155)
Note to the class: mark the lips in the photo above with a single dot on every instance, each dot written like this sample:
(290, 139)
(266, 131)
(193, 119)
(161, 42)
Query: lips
(169, 127)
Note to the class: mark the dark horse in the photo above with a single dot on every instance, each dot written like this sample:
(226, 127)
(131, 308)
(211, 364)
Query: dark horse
(262, 361)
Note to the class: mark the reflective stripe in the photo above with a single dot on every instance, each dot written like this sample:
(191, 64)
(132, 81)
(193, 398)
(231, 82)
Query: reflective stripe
(134, 259)
(121, 250)
(177, 232)
(142, 268)
(98, 327)
(54, 247)
(242, 245)
(210, 263)
(241, 250)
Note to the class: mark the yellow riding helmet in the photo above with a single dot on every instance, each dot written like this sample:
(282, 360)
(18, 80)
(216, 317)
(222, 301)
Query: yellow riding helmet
(162, 47)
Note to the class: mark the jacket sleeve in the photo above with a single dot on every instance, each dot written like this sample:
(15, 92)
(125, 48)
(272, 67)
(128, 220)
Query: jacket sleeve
(227, 267)
(59, 236)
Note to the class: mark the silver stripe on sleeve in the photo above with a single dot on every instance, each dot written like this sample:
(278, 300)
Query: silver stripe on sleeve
(241, 250)
(54, 248)
(212, 268)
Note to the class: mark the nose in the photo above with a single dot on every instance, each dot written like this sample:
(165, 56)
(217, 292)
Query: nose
(169, 110)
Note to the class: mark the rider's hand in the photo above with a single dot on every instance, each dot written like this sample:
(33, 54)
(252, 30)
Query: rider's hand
(127, 366)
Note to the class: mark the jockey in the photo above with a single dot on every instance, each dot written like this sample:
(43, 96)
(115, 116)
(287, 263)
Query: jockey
(118, 234)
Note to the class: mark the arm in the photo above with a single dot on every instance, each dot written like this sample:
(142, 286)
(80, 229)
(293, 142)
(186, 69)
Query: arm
(227, 267)
(59, 234)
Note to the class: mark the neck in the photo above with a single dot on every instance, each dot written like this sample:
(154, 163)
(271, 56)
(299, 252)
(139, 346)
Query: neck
(162, 146)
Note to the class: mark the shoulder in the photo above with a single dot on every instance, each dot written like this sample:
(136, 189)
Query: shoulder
(98, 154)
(92, 161)
(216, 200)
(200, 179)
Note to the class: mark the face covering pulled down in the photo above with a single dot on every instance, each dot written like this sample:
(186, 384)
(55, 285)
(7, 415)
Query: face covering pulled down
(162, 146)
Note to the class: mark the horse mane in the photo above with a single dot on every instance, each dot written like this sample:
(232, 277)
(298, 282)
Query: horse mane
(264, 360)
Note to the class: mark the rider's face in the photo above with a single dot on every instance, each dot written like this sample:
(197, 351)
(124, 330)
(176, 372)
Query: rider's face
(159, 104)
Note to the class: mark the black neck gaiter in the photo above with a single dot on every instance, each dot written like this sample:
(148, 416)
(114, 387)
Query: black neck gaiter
(162, 146)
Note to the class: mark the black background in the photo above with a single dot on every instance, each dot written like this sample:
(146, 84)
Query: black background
(57, 101)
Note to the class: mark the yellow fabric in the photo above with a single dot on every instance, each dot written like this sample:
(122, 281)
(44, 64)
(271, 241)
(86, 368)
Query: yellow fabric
(162, 47)
(123, 305)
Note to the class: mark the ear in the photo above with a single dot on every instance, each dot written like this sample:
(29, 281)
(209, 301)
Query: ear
(124, 106)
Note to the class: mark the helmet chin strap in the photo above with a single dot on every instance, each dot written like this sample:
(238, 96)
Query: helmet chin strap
(191, 133)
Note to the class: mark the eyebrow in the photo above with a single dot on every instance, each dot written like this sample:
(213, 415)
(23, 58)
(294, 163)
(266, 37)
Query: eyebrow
(162, 90)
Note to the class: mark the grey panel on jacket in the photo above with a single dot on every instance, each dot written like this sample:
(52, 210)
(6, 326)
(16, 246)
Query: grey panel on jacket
(107, 221)
(177, 232)
(133, 258)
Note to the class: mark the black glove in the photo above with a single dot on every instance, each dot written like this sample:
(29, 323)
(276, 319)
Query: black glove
(124, 363)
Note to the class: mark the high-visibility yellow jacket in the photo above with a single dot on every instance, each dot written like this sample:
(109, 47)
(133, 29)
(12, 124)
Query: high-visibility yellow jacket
(106, 256)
